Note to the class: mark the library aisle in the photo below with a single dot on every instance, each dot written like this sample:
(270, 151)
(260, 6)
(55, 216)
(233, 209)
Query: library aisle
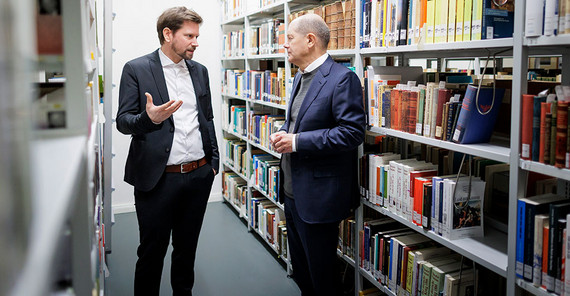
(229, 260)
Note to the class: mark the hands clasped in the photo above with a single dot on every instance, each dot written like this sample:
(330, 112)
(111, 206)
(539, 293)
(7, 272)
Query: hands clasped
(282, 142)
(160, 113)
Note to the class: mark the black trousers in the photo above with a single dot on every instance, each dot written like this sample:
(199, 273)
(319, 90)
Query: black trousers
(176, 207)
(312, 249)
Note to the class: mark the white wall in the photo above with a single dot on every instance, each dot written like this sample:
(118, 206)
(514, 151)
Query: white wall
(134, 35)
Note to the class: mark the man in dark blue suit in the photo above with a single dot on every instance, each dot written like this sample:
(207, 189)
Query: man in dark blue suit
(165, 105)
(319, 145)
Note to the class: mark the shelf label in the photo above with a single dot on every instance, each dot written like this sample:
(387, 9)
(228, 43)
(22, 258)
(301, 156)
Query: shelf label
(525, 150)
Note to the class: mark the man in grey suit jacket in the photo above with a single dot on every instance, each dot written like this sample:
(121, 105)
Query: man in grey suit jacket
(165, 105)
(319, 141)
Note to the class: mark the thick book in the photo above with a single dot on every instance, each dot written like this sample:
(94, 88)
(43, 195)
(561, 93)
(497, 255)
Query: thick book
(426, 210)
(536, 127)
(477, 116)
(497, 19)
(539, 222)
(443, 97)
(544, 108)
(561, 134)
(554, 114)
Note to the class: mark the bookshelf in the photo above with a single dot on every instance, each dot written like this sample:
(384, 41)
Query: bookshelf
(496, 250)
(62, 148)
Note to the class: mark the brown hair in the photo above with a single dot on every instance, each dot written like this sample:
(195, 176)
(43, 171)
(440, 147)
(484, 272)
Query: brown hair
(173, 18)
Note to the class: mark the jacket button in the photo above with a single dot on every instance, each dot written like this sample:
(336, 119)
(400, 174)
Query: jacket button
(167, 150)
(171, 129)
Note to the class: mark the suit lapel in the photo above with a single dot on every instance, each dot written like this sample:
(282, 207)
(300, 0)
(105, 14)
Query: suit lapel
(316, 85)
(318, 82)
(158, 74)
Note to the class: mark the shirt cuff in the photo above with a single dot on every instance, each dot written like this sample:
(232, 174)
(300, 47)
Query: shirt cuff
(294, 143)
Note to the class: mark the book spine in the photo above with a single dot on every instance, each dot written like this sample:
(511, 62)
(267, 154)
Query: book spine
(561, 134)
(519, 255)
(554, 111)
(542, 142)
(537, 256)
(536, 127)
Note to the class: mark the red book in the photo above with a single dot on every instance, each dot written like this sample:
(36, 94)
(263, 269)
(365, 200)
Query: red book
(544, 108)
(395, 109)
(419, 198)
(404, 110)
(443, 97)
(561, 134)
(526, 126)
(412, 107)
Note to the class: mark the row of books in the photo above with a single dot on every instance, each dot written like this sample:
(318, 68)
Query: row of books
(542, 242)
(233, 44)
(340, 16)
(236, 121)
(548, 18)
(236, 155)
(409, 263)
(267, 86)
(234, 189)
(415, 191)
(266, 174)
(269, 221)
(236, 8)
(261, 126)
(387, 23)
(431, 110)
(347, 237)
(545, 128)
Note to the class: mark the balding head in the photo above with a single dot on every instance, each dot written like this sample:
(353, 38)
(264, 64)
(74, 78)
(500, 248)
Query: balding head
(312, 23)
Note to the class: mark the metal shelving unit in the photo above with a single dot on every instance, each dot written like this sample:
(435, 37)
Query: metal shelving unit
(63, 165)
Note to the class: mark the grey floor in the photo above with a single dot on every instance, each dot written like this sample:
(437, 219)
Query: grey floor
(230, 260)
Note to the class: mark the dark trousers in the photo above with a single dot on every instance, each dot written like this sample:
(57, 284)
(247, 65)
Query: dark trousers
(175, 206)
(312, 249)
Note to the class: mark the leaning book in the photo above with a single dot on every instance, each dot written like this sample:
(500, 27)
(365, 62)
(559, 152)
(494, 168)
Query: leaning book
(466, 210)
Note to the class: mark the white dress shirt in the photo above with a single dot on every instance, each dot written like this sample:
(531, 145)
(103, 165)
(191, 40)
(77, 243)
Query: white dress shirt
(310, 68)
(187, 144)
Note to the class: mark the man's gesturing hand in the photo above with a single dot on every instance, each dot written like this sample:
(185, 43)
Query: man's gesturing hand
(160, 113)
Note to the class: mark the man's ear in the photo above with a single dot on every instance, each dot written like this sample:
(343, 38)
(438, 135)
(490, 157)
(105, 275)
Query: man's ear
(312, 40)
(167, 34)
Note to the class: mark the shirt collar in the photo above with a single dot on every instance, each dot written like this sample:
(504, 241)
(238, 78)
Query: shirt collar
(166, 61)
(315, 64)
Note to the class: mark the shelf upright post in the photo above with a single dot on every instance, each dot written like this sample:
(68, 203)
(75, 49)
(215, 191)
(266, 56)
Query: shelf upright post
(247, 31)
(565, 70)
(108, 128)
(516, 179)
(358, 280)
(75, 66)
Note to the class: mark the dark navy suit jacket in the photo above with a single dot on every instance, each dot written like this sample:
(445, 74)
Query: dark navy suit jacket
(150, 144)
(331, 126)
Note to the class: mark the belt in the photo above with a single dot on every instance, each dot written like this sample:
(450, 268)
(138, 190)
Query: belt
(186, 167)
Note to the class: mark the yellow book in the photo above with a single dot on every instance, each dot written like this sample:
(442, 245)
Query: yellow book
(467, 12)
(459, 20)
(476, 20)
(437, 21)
(385, 16)
(451, 21)
(430, 21)
(444, 6)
